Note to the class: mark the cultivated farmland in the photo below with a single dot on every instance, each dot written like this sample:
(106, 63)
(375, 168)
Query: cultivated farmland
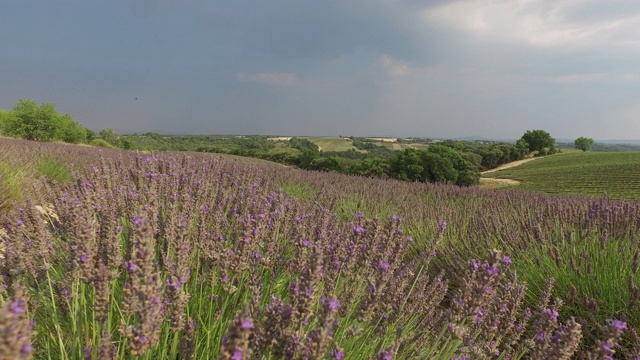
(591, 173)
(159, 256)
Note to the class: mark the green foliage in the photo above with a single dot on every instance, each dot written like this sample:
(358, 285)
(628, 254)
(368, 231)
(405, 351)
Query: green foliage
(109, 136)
(12, 181)
(437, 164)
(3, 118)
(438, 168)
(583, 143)
(302, 144)
(53, 170)
(538, 140)
(72, 131)
(334, 164)
(100, 143)
(370, 167)
(31, 121)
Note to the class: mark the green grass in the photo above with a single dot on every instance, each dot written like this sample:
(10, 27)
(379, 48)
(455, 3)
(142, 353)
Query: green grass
(53, 170)
(12, 181)
(616, 174)
(333, 143)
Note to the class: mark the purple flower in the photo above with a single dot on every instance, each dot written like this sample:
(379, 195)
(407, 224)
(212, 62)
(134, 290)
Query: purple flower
(131, 266)
(83, 258)
(246, 324)
(17, 307)
(553, 313)
(137, 221)
(443, 226)
(337, 354)
(383, 265)
(386, 355)
(143, 340)
(225, 279)
(492, 270)
(540, 336)
(334, 304)
(26, 348)
(358, 229)
(619, 325)
(237, 355)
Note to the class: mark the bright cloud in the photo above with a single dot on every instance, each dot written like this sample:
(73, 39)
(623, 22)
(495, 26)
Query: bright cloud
(540, 23)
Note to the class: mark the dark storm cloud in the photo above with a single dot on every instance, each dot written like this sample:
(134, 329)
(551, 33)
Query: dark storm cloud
(386, 67)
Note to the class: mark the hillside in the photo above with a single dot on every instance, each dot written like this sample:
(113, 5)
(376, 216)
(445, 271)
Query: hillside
(369, 266)
(592, 173)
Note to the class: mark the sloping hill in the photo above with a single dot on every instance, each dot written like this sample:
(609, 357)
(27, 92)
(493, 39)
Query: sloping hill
(616, 174)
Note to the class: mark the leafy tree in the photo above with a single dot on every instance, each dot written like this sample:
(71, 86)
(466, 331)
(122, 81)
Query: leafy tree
(584, 143)
(438, 168)
(521, 149)
(537, 140)
(3, 118)
(90, 135)
(307, 156)
(330, 164)
(407, 165)
(109, 136)
(370, 167)
(31, 121)
(71, 130)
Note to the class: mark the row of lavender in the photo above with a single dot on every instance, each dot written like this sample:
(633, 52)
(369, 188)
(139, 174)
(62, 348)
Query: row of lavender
(167, 257)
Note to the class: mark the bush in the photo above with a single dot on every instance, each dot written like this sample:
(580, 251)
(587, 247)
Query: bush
(31, 121)
(100, 143)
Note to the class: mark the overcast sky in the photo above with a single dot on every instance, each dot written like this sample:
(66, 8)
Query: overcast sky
(346, 67)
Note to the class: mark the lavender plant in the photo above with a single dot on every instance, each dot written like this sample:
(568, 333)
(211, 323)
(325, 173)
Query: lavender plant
(179, 256)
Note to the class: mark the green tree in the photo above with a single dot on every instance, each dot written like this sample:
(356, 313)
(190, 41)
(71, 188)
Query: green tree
(584, 143)
(521, 149)
(71, 130)
(3, 116)
(31, 121)
(537, 140)
(109, 136)
(438, 168)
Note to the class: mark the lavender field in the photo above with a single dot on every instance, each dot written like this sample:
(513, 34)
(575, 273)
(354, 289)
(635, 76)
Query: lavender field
(108, 254)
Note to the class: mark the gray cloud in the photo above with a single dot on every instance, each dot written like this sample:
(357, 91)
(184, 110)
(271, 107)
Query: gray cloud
(490, 68)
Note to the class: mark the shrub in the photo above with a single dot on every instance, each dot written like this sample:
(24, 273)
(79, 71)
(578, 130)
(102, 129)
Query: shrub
(100, 143)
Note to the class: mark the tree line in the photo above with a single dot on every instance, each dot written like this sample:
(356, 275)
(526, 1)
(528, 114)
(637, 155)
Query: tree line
(453, 162)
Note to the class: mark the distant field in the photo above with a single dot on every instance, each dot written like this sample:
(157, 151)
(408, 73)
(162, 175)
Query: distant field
(402, 146)
(617, 174)
(332, 143)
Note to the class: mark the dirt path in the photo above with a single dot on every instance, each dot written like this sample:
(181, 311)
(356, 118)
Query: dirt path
(494, 183)
(511, 164)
